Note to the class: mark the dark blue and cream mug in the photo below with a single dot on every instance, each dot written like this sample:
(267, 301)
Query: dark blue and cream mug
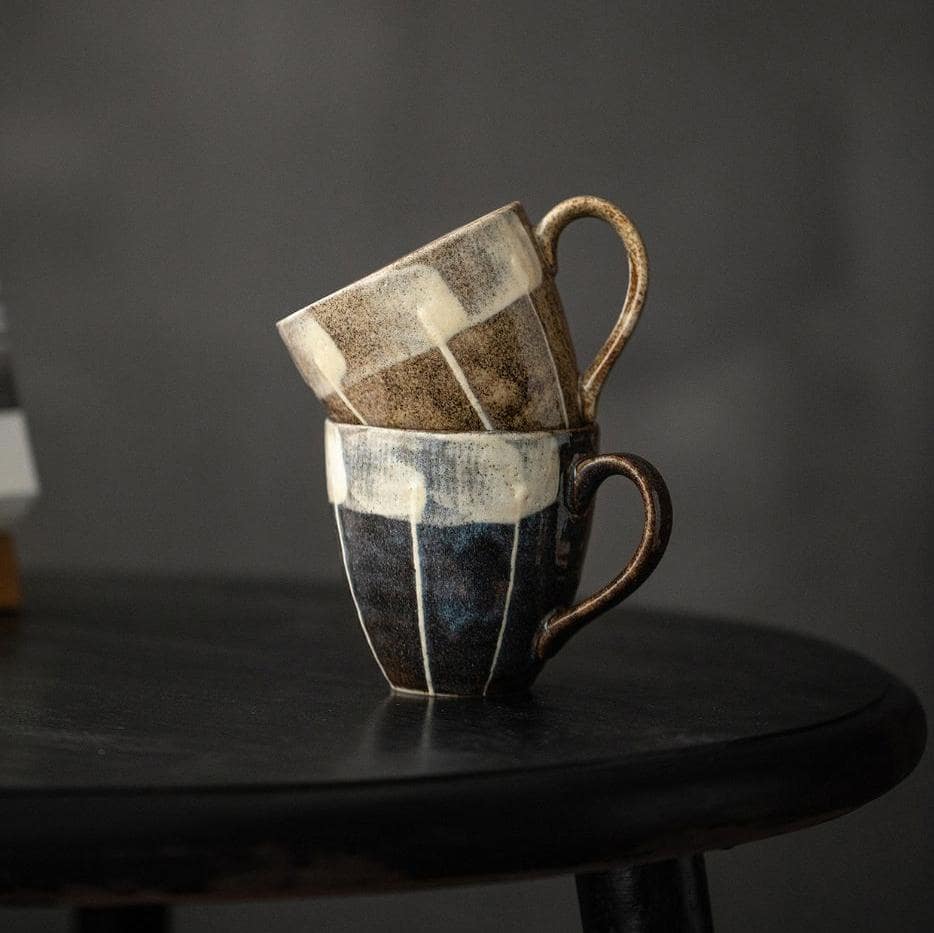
(464, 551)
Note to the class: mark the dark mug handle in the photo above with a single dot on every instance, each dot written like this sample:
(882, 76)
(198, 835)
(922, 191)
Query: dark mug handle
(548, 231)
(587, 476)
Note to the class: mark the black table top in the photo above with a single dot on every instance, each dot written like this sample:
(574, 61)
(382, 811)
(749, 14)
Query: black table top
(168, 739)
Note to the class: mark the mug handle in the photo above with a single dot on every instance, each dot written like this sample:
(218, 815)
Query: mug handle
(547, 233)
(587, 477)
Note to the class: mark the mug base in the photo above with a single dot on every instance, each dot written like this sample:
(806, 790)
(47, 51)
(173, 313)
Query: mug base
(440, 694)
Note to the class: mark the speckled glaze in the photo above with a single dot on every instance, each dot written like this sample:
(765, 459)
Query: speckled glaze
(463, 550)
(465, 334)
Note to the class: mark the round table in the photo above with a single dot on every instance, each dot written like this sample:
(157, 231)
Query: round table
(164, 740)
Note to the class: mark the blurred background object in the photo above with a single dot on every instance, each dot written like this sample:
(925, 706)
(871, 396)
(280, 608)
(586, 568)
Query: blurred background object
(176, 178)
(19, 484)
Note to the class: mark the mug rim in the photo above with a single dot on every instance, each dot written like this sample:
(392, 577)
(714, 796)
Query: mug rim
(514, 207)
(590, 428)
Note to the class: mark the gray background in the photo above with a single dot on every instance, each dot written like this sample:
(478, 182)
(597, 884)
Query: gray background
(175, 177)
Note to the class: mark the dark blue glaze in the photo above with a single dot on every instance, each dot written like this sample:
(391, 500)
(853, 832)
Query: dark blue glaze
(475, 604)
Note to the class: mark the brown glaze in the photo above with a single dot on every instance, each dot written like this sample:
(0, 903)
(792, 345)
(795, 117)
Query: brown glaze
(588, 476)
(467, 333)
(548, 231)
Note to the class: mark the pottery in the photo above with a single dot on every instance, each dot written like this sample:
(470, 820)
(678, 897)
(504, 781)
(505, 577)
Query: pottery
(465, 334)
(463, 551)
(19, 481)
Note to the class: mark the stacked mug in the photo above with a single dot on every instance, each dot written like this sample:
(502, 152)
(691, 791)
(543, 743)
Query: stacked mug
(462, 452)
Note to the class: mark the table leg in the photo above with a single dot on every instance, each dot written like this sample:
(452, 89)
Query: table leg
(142, 918)
(662, 897)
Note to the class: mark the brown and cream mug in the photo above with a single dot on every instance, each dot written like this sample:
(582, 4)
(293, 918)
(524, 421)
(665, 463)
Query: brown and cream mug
(463, 551)
(467, 333)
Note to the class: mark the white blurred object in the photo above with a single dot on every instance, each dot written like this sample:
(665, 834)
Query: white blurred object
(19, 482)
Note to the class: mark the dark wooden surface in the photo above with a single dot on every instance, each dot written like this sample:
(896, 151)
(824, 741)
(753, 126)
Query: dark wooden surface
(171, 739)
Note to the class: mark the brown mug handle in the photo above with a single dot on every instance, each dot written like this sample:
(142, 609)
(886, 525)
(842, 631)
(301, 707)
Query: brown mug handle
(588, 475)
(548, 231)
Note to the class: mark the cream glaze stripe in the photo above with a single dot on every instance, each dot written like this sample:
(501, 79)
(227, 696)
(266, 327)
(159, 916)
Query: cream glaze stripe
(348, 403)
(353, 593)
(502, 627)
(442, 316)
(420, 601)
(318, 358)
(475, 477)
(331, 365)
(412, 307)
(455, 368)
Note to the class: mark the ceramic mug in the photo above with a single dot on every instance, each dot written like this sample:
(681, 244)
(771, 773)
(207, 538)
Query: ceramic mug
(463, 551)
(465, 334)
